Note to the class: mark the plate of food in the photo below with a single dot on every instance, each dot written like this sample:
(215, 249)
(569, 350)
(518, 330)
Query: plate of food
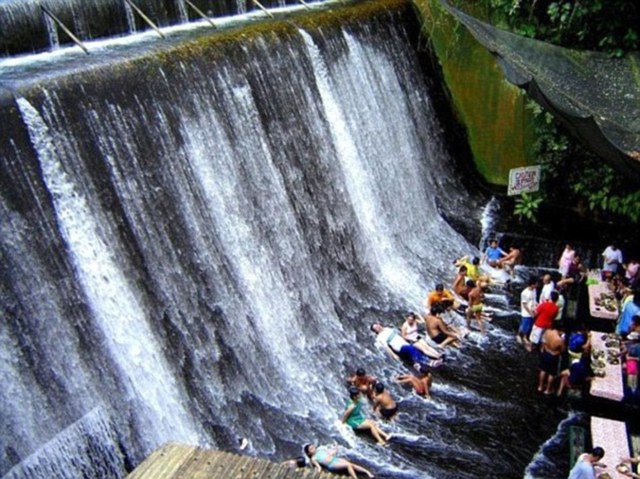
(623, 468)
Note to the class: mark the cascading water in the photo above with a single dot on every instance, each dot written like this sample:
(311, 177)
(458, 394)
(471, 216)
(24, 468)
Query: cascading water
(195, 242)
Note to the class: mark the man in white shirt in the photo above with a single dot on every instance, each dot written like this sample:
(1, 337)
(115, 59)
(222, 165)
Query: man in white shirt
(528, 306)
(399, 348)
(547, 286)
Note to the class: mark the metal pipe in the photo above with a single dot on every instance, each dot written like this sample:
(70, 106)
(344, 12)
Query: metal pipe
(75, 39)
(145, 18)
(259, 5)
(200, 12)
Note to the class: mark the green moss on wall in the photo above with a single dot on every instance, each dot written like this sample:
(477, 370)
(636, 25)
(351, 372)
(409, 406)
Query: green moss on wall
(492, 110)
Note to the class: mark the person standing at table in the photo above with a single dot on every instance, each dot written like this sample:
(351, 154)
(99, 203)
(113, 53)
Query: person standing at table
(612, 260)
(586, 464)
(630, 310)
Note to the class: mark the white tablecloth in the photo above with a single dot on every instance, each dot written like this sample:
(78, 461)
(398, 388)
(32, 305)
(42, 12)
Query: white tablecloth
(612, 437)
(611, 385)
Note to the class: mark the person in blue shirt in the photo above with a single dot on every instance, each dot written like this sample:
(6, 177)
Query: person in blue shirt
(493, 254)
(630, 310)
(586, 464)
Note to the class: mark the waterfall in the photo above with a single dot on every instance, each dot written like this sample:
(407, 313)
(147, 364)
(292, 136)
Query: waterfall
(52, 30)
(194, 244)
(131, 17)
(111, 300)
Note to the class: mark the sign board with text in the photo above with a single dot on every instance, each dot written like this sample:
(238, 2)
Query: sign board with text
(524, 180)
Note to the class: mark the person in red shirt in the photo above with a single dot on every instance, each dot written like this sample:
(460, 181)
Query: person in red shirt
(544, 316)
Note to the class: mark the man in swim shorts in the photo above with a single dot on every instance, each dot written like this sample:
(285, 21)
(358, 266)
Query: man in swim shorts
(476, 305)
(363, 381)
(437, 330)
(383, 403)
(552, 348)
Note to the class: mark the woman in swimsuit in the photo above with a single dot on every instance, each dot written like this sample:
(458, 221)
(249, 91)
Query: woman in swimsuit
(355, 417)
(325, 456)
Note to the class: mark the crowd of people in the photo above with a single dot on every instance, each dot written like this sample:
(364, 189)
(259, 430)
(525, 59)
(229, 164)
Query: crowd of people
(563, 349)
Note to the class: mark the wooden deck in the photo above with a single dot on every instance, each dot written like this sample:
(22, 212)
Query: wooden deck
(178, 461)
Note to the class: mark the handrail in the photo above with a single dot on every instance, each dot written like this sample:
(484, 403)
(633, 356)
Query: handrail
(75, 39)
(200, 12)
(259, 5)
(145, 18)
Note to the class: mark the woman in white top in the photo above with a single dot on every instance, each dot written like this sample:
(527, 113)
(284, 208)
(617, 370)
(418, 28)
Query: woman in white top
(566, 259)
(409, 330)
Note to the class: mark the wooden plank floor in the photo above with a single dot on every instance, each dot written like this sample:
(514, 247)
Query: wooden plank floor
(178, 461)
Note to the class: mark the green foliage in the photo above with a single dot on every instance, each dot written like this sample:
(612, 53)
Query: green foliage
(610, 26)
(526, 207)
(573, 175)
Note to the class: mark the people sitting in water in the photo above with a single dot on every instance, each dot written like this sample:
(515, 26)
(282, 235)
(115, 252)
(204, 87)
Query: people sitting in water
(383, 403)
(398, 348)
(327, 457)
(363, 381)
(410, 329)
(409, 332)
(511, 259)
(437, 330)
(355, 417)
(473, 266)
(460, 286)
(493, 254)
(442, 297)
(421, 384)
(476, 305)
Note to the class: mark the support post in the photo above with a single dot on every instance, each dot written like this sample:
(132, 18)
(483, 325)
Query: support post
(261, 7)
(200, 12)
(145, 18)
(75, 39)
